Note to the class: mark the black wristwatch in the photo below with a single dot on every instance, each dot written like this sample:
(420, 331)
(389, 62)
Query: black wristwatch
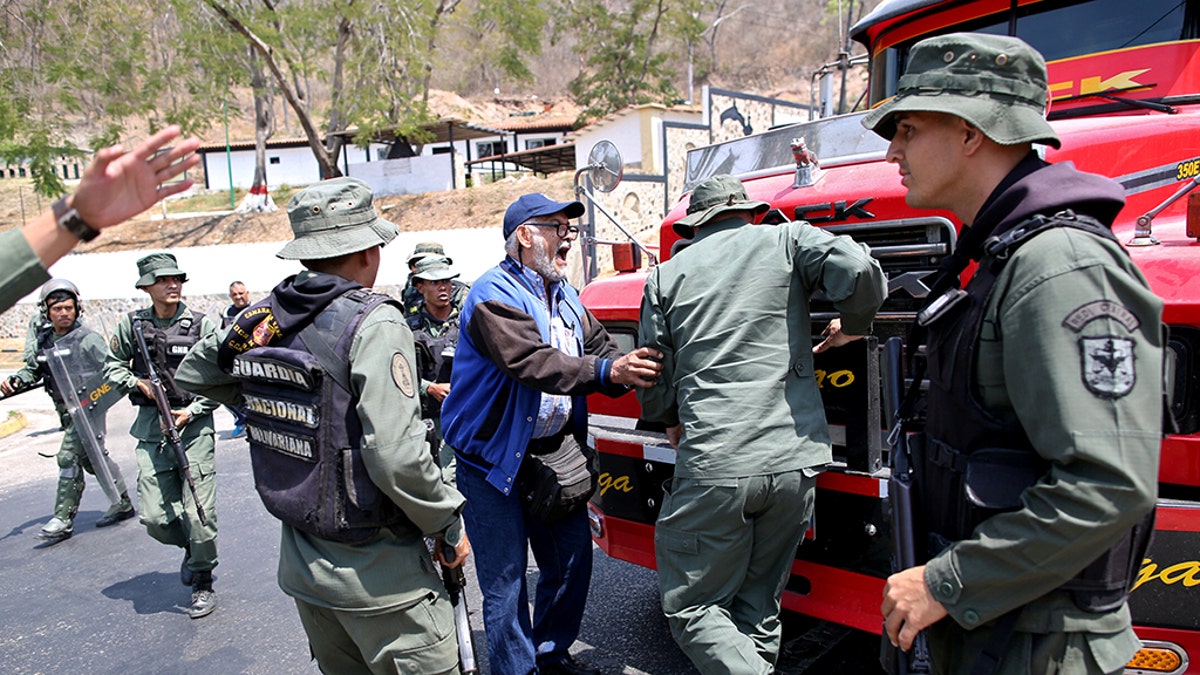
(69, 220)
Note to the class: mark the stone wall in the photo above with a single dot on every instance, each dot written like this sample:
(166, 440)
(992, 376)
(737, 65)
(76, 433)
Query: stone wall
(746, 114)
(103, 315)
(680, 140)
(641, 202)
(638, 206)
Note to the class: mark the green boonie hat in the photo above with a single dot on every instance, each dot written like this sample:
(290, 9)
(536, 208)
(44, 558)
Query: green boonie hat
(717, 195)
(426, 249)
(434, 268)
(332, 218)
(996, 82)
(156, 265)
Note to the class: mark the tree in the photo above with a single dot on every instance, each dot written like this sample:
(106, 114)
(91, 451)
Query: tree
(70, 70)
(492, 43)
(701, 21)
(623, 53)
(259, 198)
(372, 57)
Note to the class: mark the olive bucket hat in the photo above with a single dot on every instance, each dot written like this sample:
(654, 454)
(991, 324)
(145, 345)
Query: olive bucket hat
(995, 82)
(156, 265)
(715, 196)
(332, 218)
(434, 268)
(426, 249)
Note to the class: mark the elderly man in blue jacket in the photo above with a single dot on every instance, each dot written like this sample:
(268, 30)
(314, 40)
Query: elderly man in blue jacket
(528, 354)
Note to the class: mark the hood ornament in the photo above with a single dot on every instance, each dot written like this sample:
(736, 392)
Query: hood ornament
(806, 163)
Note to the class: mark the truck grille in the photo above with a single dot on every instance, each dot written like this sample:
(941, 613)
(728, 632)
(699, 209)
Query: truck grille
(909, 250)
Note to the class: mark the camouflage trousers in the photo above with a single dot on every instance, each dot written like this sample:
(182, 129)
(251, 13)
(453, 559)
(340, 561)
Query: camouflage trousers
(165, 501)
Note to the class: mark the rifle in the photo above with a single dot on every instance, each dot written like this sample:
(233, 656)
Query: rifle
(455, 581)
(21, 389)
(170, 433)
(901, 501)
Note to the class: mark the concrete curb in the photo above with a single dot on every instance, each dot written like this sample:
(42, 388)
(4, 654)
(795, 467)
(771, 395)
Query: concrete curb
(16, 421)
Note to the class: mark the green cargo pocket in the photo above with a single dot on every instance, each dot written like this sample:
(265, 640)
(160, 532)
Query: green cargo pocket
(676, 541)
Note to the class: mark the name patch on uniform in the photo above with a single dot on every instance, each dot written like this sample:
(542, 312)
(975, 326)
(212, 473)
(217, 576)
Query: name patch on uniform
(286, 411)
(301, 448)
(274, 372)
(178, 350)
(402, 375)
(1108, 361)
(1098, 309)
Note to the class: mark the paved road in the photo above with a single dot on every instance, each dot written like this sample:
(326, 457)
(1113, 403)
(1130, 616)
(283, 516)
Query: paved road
(110, 601)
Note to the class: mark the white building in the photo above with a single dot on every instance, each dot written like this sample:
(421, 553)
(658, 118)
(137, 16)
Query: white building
(290, 161)
(638, 133)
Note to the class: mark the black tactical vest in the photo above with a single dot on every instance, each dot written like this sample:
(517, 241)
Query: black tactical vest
(304, 430)
(68, 343)
(435, 358)
(975, 463)
(167, 347)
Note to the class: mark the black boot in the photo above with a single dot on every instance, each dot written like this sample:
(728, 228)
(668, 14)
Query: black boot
(204, 598)
(122, 510)
(186, 576)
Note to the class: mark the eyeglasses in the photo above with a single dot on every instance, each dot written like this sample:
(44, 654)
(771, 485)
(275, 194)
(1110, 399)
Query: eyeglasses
(564, 230)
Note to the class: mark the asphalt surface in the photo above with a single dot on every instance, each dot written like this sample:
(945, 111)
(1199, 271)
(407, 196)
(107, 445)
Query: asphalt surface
(109, 600)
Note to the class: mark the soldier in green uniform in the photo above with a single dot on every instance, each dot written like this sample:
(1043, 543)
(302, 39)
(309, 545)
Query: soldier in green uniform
(115, 186)
(164, 498)
(435, 333)
(410, 296)
(59, 317)
(1045, 379)
(326, 372)
(741, 405)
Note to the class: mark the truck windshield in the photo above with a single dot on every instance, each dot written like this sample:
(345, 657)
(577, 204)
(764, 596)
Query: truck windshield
(1101, 25)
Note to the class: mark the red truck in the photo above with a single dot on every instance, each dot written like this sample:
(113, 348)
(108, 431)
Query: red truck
(1125, 88)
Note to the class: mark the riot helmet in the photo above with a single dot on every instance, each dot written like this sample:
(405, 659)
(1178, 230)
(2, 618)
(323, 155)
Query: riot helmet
(56, 290)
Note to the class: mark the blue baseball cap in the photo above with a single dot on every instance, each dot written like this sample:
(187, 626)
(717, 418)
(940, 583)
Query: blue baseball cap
(534, 205)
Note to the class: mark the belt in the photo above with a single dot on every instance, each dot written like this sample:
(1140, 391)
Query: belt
(547, 445)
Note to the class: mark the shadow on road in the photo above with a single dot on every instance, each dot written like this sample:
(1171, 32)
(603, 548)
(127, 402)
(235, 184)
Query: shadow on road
(150, 593)
(23, 528)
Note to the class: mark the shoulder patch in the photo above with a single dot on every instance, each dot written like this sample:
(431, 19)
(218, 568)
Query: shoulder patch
(402, 375)
(113, 344)
(1097, 309)
(1107, 365)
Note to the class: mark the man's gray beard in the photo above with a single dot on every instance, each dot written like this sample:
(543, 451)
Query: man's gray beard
(542, 261)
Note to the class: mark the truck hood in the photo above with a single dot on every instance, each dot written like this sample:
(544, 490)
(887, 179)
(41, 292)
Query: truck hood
(1151, 154)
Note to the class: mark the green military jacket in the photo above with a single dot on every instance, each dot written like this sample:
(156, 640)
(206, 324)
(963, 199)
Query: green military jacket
(392, 569)
(21, 272)
(31, 335)
(118, 369)
(730, 314)
(1104, 449)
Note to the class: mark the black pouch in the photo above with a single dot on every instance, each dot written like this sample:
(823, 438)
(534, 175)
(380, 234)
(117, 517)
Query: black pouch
(996, 477)
(558, 483)
(985, 483)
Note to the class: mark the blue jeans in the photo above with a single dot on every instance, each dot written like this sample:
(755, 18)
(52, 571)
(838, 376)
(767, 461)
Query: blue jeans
(500, 535)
